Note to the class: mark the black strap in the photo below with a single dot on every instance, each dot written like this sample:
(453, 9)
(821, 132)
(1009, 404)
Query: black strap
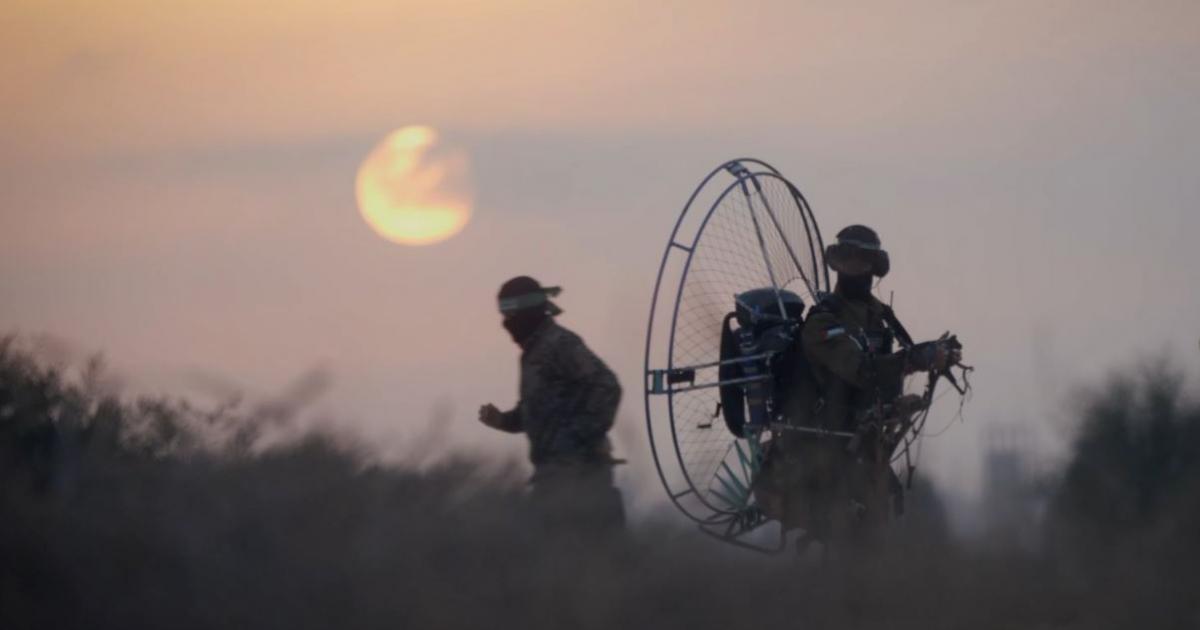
(889, 316)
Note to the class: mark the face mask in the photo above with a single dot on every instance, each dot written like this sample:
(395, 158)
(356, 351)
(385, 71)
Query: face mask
(520, 325)
(854, 287)
(855, 266)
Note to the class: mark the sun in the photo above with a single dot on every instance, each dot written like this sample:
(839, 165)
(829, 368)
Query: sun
(412, 190)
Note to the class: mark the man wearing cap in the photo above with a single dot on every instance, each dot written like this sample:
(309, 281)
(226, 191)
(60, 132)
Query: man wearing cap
(568, 401)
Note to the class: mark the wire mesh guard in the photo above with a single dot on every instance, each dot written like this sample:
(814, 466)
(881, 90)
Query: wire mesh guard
(757, 232)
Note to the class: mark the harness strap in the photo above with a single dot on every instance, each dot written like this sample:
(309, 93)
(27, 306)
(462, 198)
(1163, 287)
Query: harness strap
(889, 316)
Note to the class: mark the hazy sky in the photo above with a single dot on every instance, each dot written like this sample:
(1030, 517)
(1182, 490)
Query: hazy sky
(177, 184)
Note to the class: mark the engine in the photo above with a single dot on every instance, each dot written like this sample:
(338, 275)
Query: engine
(762, 365)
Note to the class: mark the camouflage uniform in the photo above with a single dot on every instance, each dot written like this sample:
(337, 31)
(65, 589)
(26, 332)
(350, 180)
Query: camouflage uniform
(849, 345)
(568, 402)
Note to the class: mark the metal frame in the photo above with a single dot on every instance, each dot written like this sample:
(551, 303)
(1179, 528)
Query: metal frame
(653, 379)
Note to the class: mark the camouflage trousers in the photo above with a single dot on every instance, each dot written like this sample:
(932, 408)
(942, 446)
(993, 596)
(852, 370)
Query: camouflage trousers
(576, 500)
(815, 485)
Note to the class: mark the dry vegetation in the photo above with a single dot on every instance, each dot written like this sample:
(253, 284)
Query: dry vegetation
(152, 514)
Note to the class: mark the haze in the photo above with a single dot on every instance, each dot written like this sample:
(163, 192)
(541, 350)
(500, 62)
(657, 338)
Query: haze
(177, 186)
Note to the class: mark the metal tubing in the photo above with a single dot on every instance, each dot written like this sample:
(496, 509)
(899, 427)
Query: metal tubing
(762, 243)
(786, 243)
(737, 381)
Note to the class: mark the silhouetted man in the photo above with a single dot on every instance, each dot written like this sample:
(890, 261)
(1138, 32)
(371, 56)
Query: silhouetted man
(568, 401)
(848, 339)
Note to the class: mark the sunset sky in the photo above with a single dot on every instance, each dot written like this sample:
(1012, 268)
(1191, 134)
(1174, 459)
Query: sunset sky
(177, 186)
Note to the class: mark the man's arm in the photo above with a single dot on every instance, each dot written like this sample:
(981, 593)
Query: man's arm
(508, 421)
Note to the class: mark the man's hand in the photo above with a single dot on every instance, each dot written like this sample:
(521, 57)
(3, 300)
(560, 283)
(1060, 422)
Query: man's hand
(491, 416)
(953, 349)
(953, 356)
(934, 355)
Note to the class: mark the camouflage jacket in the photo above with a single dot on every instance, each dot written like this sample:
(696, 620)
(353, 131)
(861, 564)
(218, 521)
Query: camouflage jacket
(849, 346)
(568, 399)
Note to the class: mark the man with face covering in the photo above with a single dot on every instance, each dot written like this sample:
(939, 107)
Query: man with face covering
(848, 340)
(849, 335)
(568, 401)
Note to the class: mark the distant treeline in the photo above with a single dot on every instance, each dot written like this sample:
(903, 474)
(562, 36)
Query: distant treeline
(117, 514)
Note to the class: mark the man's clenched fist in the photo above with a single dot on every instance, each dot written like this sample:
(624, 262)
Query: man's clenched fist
(490, 416)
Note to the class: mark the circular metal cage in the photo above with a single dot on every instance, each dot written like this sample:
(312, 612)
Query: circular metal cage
(745, 227)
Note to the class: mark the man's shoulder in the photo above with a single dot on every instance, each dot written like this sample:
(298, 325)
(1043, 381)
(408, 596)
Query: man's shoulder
(828, 307)
(555, 339)
(818, 324)
(565, 351)
(838, 307)
(557, 334)
(832, 315)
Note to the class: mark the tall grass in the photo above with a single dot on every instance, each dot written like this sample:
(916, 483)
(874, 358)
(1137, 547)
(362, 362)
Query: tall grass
(118, 514)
